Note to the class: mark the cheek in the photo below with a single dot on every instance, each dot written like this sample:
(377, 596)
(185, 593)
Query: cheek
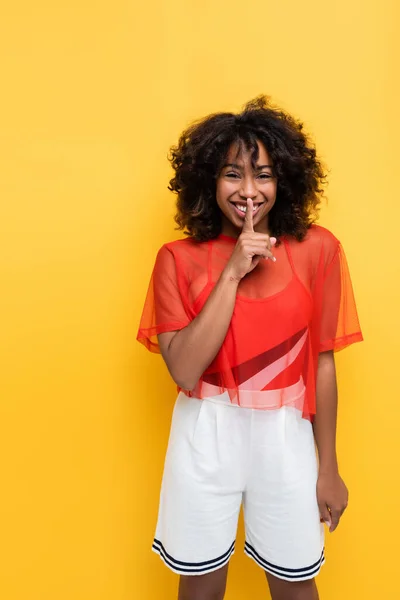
(270, 191)
(224, 190)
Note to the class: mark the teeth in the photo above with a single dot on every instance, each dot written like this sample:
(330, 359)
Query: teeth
(243, 209)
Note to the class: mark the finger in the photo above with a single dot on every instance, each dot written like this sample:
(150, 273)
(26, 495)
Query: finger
(335, 518)
(248, 221)
(252, 237)
(255, 237)
(254, 262)
(325, 514)
(261, 251)
(270, 256)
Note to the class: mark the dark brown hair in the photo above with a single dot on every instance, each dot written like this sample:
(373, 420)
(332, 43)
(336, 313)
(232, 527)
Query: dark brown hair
(202, 148)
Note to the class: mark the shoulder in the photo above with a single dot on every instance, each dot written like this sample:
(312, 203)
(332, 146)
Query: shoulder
(318, 242)
(184, 253)
(185, 247)
(321, 236)
(318, 249)
(182, 245)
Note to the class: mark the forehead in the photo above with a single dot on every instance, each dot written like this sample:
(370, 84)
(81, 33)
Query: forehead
(238, 153)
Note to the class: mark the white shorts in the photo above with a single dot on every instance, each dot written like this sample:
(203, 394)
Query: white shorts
(220, 455)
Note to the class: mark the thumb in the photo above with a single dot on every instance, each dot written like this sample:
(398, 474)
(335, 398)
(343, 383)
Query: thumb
(325, 514)
(272, 240)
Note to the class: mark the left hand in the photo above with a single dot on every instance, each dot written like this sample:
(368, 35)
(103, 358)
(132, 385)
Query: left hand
(332, 497)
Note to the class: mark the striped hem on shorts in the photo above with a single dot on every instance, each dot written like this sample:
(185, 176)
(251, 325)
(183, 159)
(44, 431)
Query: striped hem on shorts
(187, 568)
(283, 572)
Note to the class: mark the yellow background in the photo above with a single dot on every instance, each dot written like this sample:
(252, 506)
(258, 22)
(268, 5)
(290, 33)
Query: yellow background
(93, 93)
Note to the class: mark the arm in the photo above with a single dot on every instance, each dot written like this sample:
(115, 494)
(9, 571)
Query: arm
(190, 351)
(332, 493)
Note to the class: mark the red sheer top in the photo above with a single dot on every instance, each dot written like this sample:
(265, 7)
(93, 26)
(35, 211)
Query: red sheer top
(286, 313)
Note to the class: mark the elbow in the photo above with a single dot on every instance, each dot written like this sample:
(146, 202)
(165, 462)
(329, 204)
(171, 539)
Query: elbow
(185, 384)
(184, 377)
(184, 381)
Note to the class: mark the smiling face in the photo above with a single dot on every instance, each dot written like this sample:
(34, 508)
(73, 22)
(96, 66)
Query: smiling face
(238, 180)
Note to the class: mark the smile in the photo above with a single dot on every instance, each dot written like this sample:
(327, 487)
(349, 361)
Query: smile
(241, 209)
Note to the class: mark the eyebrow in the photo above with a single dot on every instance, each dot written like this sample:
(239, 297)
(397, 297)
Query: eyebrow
(236, 166)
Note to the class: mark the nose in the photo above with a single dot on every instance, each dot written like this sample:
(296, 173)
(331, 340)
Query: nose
(248, 188)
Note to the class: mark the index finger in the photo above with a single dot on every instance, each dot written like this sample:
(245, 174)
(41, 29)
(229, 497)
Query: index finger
(248, 221)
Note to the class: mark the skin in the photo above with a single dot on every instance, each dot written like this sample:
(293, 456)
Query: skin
(332, 494)
(237, 182)
(189, 351)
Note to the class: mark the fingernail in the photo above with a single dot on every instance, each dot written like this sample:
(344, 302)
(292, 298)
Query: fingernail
(328, 524)
(273, 258)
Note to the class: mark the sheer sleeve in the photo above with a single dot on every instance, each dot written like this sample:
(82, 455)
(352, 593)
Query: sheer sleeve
(339, 325)
(164, 307)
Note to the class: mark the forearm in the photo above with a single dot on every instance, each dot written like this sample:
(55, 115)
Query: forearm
(190, 351)
(326, 416)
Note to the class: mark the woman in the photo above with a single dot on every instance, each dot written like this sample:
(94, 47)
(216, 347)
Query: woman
(247, 312)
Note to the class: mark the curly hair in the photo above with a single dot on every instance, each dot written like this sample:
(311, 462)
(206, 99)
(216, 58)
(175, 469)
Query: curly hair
(202, 148)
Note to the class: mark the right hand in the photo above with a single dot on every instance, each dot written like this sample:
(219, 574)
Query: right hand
(250, 248)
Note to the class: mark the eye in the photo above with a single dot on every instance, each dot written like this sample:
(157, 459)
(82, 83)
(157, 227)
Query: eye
(232, 175)
(264, 176)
